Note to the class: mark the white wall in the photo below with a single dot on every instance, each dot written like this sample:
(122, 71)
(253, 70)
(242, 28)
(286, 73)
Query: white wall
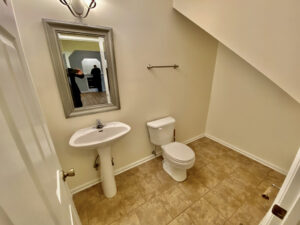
(264, 33)
(250, 112)
(147, 31)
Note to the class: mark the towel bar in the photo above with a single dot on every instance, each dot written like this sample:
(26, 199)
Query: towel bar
(149, 67)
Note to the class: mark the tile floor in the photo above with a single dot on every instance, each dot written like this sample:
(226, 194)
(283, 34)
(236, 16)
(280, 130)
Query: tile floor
(223, 187)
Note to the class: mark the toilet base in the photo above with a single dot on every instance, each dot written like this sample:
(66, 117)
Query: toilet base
(178, 174)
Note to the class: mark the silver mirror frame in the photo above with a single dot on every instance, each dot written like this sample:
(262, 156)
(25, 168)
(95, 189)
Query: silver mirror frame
(52, 28)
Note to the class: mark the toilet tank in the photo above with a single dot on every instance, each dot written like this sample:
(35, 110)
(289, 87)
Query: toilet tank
(161, 131)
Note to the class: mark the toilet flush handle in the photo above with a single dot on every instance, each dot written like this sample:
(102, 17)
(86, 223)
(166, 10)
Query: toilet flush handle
(160, 128)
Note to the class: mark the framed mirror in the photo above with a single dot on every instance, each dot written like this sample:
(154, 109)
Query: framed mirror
(84, 64)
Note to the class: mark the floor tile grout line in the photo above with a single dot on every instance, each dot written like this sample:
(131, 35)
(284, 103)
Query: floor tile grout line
(184, 211)
(236, 211)
(191, 200)
(217, 209)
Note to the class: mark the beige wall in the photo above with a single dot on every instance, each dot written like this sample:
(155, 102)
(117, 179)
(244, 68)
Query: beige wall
(264, 33)
(250, 112)
(148, 31)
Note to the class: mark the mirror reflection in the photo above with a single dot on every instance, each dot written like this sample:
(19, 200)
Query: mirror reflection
(86, 69)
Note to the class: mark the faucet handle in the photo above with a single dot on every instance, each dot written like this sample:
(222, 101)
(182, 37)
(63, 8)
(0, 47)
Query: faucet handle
(99, 124)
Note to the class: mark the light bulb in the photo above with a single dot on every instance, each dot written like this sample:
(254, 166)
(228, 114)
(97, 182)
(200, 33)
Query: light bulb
(77, 6)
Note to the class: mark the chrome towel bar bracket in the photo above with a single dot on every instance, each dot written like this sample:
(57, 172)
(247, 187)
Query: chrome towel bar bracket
(149, 67)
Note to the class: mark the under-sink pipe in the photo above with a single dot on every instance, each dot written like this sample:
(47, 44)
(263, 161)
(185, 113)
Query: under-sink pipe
(154, 151)
(97, 162)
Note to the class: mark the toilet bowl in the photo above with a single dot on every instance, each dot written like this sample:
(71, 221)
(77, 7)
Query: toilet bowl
(177, 157)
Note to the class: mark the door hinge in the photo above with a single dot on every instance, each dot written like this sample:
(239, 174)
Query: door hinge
(279, 211)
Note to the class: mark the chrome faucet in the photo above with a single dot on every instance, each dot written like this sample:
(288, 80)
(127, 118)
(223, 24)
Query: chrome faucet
(99, 125)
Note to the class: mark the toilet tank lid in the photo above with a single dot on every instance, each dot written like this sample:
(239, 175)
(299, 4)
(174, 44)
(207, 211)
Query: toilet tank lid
(161, 122)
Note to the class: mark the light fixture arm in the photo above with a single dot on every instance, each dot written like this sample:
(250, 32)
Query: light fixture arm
(64, 2)
(91, 6)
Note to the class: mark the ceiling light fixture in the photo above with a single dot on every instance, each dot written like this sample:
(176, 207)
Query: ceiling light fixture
(77, 7)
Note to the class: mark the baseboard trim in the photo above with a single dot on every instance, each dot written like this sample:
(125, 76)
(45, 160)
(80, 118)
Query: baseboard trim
(247, 154)
(127, 167)
(193, 139)
(150, 157)
(116, 172)
(84, 186)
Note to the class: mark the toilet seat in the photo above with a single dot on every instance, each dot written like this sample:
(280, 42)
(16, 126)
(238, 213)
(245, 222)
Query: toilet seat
(178, 152)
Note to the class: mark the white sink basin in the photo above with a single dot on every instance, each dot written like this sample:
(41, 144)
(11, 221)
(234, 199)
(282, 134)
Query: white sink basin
(93, 137)
(102, 139)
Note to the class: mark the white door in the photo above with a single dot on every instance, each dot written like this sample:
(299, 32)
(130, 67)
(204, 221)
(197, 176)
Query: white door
(288, 198)
(293, 217)
(32, 191)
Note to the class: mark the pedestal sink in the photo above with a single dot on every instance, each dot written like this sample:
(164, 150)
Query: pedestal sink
(102, 140)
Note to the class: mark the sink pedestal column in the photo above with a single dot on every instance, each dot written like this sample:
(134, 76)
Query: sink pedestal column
(107, 172)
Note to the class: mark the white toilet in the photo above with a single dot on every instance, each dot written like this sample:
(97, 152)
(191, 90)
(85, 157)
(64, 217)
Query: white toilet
(178, 157)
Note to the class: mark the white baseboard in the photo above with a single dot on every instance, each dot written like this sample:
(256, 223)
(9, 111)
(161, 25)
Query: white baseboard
(247, 154)
(127, 167)
(150, 157)
(193, 139)
(116, 172)
(84, 186)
